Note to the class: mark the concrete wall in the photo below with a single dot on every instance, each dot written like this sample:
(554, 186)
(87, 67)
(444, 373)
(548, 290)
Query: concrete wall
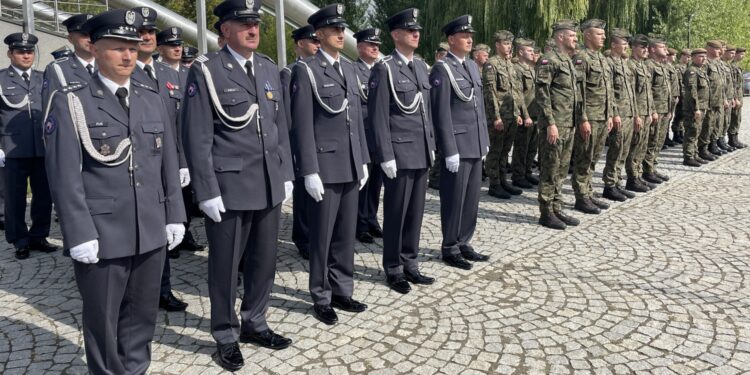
(47, 43)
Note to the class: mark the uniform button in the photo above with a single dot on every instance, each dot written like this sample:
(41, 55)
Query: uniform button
(350, 133)
(320, 149)
(156, 129)
(104, 134)
(137, 184)
(266, 151)
(265, 134)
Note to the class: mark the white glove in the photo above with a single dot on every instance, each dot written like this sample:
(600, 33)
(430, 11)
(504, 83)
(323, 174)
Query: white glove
(389, 168)
(314, 186)
(2, 158)
(184, 177)
(213, 208)
(86, 252)
(485, 154)
(288, 189)
(451, 163)
(175, 234)
(366, 175)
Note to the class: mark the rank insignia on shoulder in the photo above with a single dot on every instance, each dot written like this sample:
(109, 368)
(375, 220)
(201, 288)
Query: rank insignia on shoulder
(192, 89)
(50, 125)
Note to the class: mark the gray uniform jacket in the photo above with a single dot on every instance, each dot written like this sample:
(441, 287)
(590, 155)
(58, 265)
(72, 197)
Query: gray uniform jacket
(363, 77)
(407, 138)
(332, 145)
(73, 72)
(126, 211)
(461, 126)
(232, 163)
(21, 129)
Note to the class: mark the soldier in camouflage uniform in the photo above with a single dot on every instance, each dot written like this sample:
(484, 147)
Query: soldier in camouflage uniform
(623, 83)
(678, 131)
(730, 92)
(506, 111)
(695, 89)
(526, 143)
(560, 105)
(646, 115)
(661, 91)
(596, 119)
(734, 125)
(674, 84)
(717, 103)
(480, 55)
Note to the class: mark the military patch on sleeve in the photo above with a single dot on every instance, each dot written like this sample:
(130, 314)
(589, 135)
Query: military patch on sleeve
(692, 72)
(436, 82)
(579, 61)
(294, 87)
(544, 62)
(50, 126)
(45, 84)
(192, 89)
(373, 84)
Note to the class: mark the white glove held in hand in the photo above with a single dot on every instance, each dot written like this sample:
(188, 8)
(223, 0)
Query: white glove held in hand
(213, 208)
(175, 234)
(288, 189)
(389, 168)
(452, 162)
(86, 252)
(366, 175)
(314, 186)
(184, 177)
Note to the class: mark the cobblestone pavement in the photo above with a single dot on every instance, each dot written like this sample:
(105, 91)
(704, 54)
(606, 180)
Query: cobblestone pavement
(654, 285)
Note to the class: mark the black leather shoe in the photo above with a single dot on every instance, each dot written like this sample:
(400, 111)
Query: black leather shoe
(599, 203)
(376, 231)
(42, 245)
(2, 225)
(171, 303)
(173, 254)
(229, 356)
(611, 193)
(416, 277)
(267, 339)
(550, 220)
(190, 245)
(586, 206)
(634, 184)
(497, 191)
(661, 176)
(691, 163)
(624, 192)
(512, 190)
(398, 283)
(22, 252)
(532, 179)
(456, 261)
(325, 314)
(365, 237)
(348, 304)
(714, 149)
(568, 220)
(522, 183)
(652, 178)
(474, 256)
(434, 184)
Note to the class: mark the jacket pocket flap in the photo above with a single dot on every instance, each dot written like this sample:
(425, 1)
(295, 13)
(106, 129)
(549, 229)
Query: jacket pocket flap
(232, 99)
(327, 146)
(153, 127)
(460, 129)
(227, 164)
(104, 132)
(403, 140)
(99, 206)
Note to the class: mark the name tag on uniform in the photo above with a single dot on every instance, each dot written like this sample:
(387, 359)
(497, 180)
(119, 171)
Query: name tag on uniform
(326, 85)
(232, 90)
(460, 79)
(10, 87)
(403, 81)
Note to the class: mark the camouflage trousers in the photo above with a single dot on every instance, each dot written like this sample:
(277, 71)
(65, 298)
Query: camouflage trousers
(678, 124)
(656, 136)
(711, 123)
(585, 155)
(501, 142)
(638, 143)
(619, 148)
(524, 151)
(554, 161)
(734, 124)
(693, 130)
(724, 123)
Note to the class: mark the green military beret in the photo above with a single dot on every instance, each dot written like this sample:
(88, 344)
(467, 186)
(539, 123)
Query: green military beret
(741, 49)
(503, 36)
(593, 23)
(523, 42)
(713, 44)
(640, 40)
(565, 25)
(731, 48)
(698, 51)
(685, 52)
(723, 42)
(620, 34)
(672, 52)
(657, 39)
(482, 47)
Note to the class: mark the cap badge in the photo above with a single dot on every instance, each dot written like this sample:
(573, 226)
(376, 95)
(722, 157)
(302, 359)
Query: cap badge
(340, 9)
(469, 18)
(130, 17)
(415, 13)
(25, 38)
(145, 11)
(249, 4)
(174, 31)
(377, 32)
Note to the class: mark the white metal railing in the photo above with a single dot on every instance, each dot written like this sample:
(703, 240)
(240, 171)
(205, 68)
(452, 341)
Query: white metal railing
(49, 14)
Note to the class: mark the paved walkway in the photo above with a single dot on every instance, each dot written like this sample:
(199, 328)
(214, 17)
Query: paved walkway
(654, 285)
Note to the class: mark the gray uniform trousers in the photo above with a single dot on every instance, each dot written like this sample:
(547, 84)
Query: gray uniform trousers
(402, 221)
(459, 204)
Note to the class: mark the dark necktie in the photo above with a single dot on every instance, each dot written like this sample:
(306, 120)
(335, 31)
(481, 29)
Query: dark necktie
(150, 72)
(122, 97)
(250, 75)
(90, 69)
(413, 71)
(25, 77)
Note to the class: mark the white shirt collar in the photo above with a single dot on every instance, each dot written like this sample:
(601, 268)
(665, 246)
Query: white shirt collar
(369, 66)
(142, 65)
(84, 62)
(20, 72)
(403, 57)
(330, 58)
(461, 60)
(241, 59)
(112, 86)
(175, 66)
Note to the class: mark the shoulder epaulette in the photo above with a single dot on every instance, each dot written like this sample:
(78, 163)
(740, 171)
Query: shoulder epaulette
(73, 87)
(61, 59)
(265, 57)
(343, 58)
(203, 58)
(387, 58)
(144, 86)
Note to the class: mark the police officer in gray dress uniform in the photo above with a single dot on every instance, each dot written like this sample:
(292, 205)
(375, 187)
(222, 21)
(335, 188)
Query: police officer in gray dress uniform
(237, 146)
(458, 115)
(113, 172)
(306, 44)
(331, 154)
(404, 140)
(368, 48)
(71, 70)
(22, 149)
